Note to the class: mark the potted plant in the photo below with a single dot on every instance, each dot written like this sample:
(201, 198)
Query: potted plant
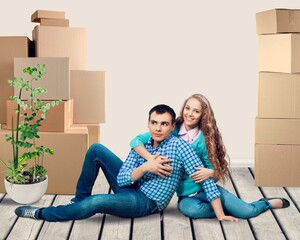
(26, 172)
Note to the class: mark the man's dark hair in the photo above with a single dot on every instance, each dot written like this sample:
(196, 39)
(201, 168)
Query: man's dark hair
(161, 109)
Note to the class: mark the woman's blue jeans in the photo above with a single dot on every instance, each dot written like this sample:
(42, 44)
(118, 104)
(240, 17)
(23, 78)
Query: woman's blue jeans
(199, 207)
(125, 202)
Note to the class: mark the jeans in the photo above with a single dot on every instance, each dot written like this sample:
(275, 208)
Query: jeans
(126, 202)
(199, 207)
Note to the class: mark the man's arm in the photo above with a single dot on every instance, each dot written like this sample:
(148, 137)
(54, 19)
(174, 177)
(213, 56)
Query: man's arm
(190, 161)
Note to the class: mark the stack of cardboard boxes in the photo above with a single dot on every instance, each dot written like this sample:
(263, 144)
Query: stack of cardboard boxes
(71, 127)
(277, 126)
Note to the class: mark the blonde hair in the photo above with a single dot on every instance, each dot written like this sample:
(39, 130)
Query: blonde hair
(213, 140)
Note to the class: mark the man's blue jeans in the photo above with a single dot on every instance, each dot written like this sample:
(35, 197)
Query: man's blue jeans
(125, 202)
(199, 207)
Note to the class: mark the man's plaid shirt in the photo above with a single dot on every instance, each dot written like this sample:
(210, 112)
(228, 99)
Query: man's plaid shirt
(161, 190)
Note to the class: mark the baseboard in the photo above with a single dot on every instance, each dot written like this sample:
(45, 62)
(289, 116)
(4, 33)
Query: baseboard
(241, 162)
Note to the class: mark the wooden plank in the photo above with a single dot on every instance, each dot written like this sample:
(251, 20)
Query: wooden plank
(288, 218)
(7, 216)
(147, 228)
(90, 228)
(57, 230)
(207, 229)
(29, 228)
(265, 224)
(236, 230)
(176, 225)
(116, 228)
(294, 193)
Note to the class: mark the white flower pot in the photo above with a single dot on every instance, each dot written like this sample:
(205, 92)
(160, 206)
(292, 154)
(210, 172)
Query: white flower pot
(26, 193)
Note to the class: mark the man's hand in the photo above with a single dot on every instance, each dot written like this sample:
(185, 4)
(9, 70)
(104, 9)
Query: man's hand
(202, 174)
(158, 165)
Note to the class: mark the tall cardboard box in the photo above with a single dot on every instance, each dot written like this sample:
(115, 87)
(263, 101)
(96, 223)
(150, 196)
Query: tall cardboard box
(277, 165)
(278, 21)
(278, 95)
(56, 80)
(58, 119)
(277, 131)
(10, 47)
(64, 167)
(279, 53)
(88, 92)
(53, 41)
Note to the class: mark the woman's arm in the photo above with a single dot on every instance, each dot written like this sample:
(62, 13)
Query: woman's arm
(218, 209)
(162, 168)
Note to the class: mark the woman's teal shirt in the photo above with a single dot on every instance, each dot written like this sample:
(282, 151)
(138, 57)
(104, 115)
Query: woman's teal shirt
(187, 186)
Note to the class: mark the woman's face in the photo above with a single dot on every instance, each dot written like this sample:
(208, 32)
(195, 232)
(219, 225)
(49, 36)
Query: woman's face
(192, 113)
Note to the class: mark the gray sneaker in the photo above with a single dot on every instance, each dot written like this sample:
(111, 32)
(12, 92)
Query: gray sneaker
(27, 212)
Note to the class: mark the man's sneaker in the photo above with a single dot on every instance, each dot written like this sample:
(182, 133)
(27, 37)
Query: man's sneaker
(27, 212)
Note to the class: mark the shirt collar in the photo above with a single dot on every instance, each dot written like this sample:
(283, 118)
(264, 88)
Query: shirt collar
(191, 132)
(161, 144)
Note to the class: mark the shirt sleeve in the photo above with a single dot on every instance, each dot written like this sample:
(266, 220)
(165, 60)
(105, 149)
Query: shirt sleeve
(140, 139)
(124, 176)
(190, 161)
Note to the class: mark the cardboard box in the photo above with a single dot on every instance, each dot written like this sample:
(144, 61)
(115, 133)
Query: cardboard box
(93, 130)
(277, 165)
(88, 92)
(56, 80)
(278, 21)
(54, 22)
(277, 131)
(10, 47)
(64, 167)
(279, 95)
(58, 119)
(62, 42)
(279, 53)
(39, 14)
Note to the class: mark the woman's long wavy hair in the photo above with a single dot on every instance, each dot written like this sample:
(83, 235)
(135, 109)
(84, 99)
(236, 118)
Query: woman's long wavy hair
(213, 140)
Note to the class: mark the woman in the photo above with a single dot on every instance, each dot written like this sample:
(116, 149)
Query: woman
(197, 125)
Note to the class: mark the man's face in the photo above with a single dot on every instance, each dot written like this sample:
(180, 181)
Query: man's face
(160, 127)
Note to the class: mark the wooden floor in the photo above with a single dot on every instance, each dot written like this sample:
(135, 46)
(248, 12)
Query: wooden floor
(273, 224)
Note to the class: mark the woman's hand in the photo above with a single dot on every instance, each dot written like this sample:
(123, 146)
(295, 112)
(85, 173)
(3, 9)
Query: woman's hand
(202, 174)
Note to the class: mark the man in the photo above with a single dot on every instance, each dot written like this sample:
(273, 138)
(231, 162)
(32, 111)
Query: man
(138, 190)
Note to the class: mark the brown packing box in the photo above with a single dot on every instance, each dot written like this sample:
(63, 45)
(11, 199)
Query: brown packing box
(88, 92)
(279, 53)
(10, 47)
(54, 22)
(279, 95)
(278, 21)
(93, 130)
(62, 42)
(58, 119)
(64, 167)
(56, 80)
(38, 14)
(277, 131)
(277, 165)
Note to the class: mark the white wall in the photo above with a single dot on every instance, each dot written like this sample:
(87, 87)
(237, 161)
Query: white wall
(162, 51)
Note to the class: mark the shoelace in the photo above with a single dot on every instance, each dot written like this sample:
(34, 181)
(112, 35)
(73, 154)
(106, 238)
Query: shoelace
(29, 213)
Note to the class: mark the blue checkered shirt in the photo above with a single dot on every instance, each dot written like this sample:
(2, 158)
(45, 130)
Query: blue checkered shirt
(161, 190)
